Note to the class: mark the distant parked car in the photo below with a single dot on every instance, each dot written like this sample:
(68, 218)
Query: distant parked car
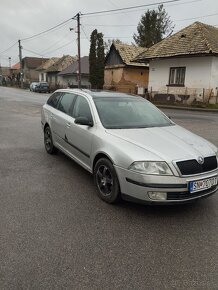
(132, 148)
(42, 87)
(33, 86)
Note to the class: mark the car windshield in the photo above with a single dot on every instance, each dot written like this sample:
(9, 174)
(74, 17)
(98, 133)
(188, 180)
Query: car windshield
(129, 112)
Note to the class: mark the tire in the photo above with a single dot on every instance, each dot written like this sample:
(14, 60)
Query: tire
(48, 142)
(106, 181)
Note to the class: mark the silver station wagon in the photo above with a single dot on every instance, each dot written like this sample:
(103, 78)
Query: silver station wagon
(133, 150)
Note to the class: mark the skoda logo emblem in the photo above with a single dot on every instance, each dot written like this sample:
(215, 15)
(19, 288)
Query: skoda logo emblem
(200, 160)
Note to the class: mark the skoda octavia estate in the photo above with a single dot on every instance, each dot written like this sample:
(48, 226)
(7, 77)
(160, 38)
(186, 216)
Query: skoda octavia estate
(132, 149)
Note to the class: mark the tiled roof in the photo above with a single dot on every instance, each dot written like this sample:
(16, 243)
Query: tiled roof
(48, 63)
(33, 62)
(197, 38)
(73, 68)
(16, 66)
(62, 63)
(128, 53)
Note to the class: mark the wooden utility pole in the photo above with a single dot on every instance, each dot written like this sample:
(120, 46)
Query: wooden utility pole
(79, 57)
(21, 64)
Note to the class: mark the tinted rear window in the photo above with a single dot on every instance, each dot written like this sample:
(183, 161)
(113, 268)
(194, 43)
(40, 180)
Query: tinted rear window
(66, 103)
(53, 100)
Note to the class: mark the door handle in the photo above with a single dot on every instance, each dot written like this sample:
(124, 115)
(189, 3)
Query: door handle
(51, 116)
(68, 125)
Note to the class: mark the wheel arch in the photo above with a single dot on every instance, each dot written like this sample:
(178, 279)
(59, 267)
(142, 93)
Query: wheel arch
(98, 156)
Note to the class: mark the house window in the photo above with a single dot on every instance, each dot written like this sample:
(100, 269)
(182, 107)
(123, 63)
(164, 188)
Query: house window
(177, 76)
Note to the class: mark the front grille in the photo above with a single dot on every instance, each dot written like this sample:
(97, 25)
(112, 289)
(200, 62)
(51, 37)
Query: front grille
(189, 167)
(187, 195)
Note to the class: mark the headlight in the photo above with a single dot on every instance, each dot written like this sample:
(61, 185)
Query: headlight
(151, 167)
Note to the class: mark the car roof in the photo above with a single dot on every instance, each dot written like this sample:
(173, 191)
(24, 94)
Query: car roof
(107, 94)
(100, 93)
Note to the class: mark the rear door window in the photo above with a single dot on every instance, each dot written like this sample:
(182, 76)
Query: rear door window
(53, 100)
(66, 103)
(82, 109)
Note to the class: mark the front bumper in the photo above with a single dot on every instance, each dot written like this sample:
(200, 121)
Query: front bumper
(137, 186)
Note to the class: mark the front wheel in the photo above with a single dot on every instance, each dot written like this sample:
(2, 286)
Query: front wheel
(49, 146)
(106, 180)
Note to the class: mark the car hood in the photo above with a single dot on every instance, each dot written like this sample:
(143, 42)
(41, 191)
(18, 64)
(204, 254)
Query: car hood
(168, 143)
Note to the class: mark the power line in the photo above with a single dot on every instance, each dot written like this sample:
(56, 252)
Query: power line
(112, 3)
(118, 37)
(43, 55)
(56, 42)
(203, 16)
(8, 48)
(36, 53)
(84, 32)
(132, 25)
(5, 57)
(113, 11)
(66, 44)
(108, 25)
(94, 13)
(48, 30)
(124, 13)
(139, 9)
(129, 8)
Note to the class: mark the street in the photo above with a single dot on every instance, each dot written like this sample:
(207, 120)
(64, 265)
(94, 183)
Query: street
(55, 233)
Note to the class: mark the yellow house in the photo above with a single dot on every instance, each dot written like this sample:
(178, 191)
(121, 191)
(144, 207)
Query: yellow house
(121, 74)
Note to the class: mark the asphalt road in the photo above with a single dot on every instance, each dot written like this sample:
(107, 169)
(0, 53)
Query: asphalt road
(55, 233)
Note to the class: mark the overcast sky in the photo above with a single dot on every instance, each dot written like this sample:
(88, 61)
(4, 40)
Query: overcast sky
(24, 18)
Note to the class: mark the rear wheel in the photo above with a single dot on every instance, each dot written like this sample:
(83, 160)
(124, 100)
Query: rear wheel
(49, 146)
(106, 180)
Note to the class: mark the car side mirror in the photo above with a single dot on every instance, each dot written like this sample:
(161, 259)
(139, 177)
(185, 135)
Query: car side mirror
(83, 121)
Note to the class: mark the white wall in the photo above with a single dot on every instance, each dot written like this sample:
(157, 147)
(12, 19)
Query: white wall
(214, 73)
(42, 77)
(201, 72)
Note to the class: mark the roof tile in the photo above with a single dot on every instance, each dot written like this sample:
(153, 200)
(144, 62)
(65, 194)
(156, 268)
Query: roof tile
(48, 63)
(62, 63)
(197, 38)
(129, 52)
(33, 62)
(73, 68)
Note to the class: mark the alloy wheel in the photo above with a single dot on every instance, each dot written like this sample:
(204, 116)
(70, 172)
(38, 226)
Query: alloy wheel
(104, 180)
(47, 139)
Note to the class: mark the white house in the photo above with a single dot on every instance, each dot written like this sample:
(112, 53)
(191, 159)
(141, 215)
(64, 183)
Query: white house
(184, 66)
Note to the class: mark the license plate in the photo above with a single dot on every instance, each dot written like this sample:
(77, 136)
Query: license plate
(202, 184)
